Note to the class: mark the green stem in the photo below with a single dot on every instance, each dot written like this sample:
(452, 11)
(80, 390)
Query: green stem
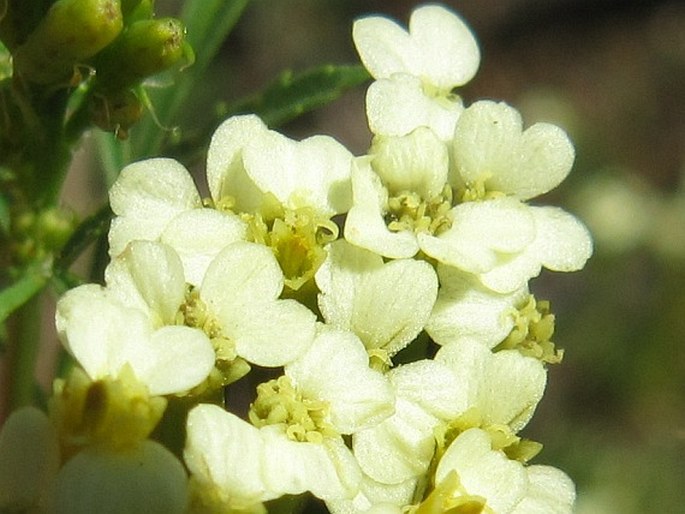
(23, 352)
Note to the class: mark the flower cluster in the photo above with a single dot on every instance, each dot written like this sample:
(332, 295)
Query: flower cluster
(384, 299)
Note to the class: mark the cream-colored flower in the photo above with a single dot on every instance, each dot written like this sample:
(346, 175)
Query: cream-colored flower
(416, 71)
(466, 386)
(385, 304)
(295, 439)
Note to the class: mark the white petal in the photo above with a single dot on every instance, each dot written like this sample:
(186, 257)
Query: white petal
(241, 274)
(386, 305)
(149, 276)
(417, 162)
(483, 471)
(336, 370)
(99, 332)
(199, 235)
(326, 469)
(449, 52)
(226, 174)
(504, 386)
(384, 47)
(269, 333)
(224, 450)
(563, 243)
(392, 305)
(480, 232)
(365, 226)
(432, 386)
(397, 105)
(312, 173)
(29, 460)
(147, 478)
(489, 146)
(376, 498)
(399, 448)
(550, 491)
(337, 279)
(145, 196)
(465, 308)
(179, 359)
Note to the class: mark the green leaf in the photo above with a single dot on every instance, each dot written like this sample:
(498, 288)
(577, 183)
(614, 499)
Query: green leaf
(208, 23)
(21, 291)
(292, 95)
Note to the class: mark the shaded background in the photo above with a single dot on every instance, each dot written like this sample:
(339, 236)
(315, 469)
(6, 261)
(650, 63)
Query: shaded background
(612, 73)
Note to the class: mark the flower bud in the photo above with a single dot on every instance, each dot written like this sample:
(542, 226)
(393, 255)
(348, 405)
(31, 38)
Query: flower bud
(146, 47)
(70, 32)
(135, 10)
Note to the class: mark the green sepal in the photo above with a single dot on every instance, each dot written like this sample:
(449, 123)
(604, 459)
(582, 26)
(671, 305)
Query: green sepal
(145, 48)
(70, 32)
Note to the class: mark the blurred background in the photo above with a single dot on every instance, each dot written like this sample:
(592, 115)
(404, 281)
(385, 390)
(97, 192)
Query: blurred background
(612, 73)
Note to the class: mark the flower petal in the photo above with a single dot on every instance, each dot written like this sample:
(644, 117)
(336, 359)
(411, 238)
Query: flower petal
(365, 226)
(489, 146)
(327, 469)
(29, 461)
(146, 478)
(145, 196)
(149, 276)
(179, 358)
(199, 235)
(397, 105)
(336, 370)
(449, 52)
(464, 308)
(226, 175)
(217, 441)
(484, 472)
(550, 491)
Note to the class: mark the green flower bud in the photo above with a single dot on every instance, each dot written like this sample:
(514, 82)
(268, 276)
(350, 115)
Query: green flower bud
(146, 47)
(69, 33)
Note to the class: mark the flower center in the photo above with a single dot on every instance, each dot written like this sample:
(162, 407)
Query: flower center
(117, 412)
(532, 332)
(228, 367)
(279, 403)
(297, 238)
(409, 211)
(451, 497)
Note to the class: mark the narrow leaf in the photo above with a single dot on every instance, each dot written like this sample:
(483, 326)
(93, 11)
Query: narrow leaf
(21, 291)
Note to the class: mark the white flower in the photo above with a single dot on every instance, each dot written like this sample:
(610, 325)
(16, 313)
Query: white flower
(502, 388)
(474, 472)
(105, 336)
(289, 190)
(298, 446)
(403, 202)
(493, 156)
(416, 71)
(228, 307)
(385, 304)
(29, 461)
